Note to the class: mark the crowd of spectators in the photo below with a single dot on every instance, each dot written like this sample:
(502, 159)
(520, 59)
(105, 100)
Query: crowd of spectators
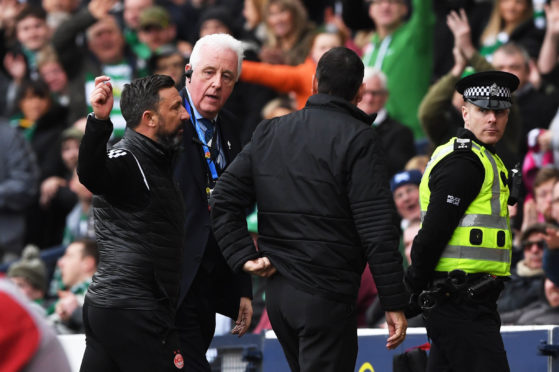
(414, 52)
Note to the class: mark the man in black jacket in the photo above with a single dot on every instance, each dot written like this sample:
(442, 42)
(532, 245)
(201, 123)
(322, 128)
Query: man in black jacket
(129, 309)
(324, 210)
(210, 142)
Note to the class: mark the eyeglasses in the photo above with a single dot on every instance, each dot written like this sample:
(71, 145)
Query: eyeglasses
(528, 244)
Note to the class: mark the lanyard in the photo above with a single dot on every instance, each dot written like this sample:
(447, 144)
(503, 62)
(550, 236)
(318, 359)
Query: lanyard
(381, 53)
(201, 137)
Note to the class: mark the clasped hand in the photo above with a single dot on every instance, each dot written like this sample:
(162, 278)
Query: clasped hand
(260, 266)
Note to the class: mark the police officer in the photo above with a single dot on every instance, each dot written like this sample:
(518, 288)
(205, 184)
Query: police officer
(461, 255)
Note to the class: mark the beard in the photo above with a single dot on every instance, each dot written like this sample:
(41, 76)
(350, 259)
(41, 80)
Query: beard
(171, 141)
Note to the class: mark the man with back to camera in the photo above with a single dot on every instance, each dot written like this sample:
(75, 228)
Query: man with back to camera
(210, 142)
(324, 210)
(461, 255)
(130, 306)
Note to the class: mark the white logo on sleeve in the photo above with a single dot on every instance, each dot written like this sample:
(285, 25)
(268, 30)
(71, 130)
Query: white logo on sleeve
(452, 200)
(115, 153)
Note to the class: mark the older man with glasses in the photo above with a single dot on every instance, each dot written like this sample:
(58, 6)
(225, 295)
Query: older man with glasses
(396, 138)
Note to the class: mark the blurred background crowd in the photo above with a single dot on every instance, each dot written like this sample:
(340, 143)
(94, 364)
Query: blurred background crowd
(414, 52)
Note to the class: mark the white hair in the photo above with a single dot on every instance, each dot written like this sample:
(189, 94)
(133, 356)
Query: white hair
(218, 41)
(371, 72)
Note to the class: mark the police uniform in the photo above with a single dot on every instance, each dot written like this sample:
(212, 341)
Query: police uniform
(465, 231)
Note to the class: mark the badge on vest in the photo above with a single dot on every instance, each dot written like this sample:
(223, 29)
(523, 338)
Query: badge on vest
(450, 199)
(462, 144)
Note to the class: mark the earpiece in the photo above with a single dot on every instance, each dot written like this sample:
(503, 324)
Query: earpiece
(188, 73)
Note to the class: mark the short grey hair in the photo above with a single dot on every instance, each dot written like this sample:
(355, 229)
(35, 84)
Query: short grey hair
(371, 72)
(219, 41)
(511, 48)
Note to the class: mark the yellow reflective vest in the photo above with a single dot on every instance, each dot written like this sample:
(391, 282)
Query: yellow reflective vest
(482, 241)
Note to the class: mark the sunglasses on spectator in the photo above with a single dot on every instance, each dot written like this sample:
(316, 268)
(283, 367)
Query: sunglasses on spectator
(540, 243)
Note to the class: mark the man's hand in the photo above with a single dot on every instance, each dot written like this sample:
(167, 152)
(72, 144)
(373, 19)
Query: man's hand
(102, 98)
(260, 266)
(552, 18)
(459, 62)
(49, 187)
(67, 304)
(8, 12)
(534, 76)
(530, 214)
(458, 24)
(549, 51)
(271, 55)
(552, 238)
(397, 325)
(244, 318)
(15, 66)
(545, 140)
(100, 8)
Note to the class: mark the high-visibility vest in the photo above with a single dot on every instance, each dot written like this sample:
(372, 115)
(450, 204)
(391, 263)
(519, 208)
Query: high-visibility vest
(482, 241)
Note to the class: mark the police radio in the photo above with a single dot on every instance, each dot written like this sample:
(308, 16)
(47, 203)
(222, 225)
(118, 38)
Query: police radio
(515, 183)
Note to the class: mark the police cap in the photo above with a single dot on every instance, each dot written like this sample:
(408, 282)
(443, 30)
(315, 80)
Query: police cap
(488, 89)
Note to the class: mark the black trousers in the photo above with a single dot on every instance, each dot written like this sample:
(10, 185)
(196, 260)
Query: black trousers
(316, 334)
(195, 322)
(465, 336)
(119, 340)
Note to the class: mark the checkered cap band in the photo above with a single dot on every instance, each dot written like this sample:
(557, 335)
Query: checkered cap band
(487, 91)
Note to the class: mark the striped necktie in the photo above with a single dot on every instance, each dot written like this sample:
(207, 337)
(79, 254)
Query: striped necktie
(210, 128)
